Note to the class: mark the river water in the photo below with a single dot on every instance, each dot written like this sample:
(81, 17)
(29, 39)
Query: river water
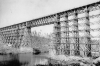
(23, 59)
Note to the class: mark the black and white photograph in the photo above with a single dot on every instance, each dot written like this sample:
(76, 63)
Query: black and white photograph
(49, 32)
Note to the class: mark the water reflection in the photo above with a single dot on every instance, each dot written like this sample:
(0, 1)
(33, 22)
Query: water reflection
(23, 59)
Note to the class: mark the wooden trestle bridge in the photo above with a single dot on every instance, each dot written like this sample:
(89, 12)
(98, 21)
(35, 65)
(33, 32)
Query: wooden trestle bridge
(72, 31)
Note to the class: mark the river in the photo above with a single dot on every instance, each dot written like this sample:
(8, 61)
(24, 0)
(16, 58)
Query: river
(23, 59)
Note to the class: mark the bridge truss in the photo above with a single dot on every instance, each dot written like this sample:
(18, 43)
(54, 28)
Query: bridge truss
(72, 31)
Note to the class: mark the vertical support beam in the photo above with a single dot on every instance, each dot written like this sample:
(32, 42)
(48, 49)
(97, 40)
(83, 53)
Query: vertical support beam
(1, 40)
(84, 27)
(76, 36)
(94, 13)
(67, 52)
(87, 38)
(74, 33)
(17, 38)
(57, 38)
(64, 35)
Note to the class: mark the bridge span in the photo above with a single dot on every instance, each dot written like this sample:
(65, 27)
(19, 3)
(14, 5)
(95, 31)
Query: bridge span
(72, 30)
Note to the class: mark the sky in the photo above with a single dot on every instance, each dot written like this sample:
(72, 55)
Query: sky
(17, 11)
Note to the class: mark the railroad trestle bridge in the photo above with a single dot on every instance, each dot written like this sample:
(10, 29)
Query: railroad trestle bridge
(72, 30)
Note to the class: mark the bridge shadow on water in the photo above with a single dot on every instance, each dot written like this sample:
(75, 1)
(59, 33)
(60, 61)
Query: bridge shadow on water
(11, 60)
(10, 63)
(23, 59)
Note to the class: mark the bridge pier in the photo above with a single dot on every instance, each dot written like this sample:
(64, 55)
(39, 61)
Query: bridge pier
(74, 33)
(57, 35)
(26, 40)
(65, 46)
(84, 33)
(16, 35)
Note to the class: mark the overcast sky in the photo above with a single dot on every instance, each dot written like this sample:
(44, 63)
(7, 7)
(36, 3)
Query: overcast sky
(17, 11)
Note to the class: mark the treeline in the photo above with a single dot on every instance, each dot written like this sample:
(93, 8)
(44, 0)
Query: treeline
(41, 41)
